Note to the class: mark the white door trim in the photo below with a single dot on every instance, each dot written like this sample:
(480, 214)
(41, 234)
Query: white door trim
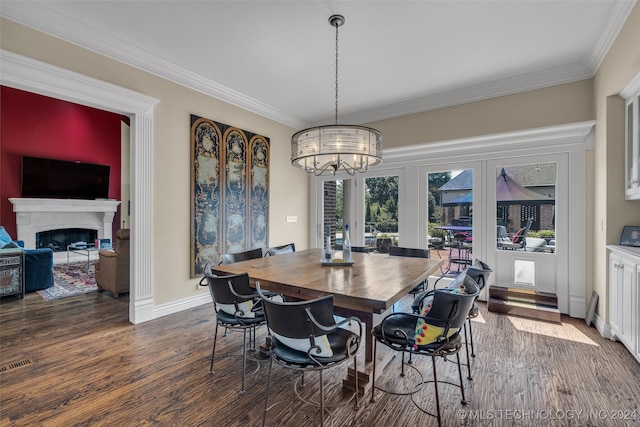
(30, 75)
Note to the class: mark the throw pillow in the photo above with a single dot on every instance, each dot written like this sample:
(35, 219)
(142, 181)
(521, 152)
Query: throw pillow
(517, 238)
(11, 245)
(426, 333)
(244, 307)
(4, 237)
(303, 344)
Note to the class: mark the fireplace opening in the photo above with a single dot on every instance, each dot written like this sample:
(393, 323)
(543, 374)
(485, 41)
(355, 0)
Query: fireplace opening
(58, 240)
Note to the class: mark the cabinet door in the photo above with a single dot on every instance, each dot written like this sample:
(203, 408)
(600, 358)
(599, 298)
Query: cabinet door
(637, 311)
(614, 295)
(626, 278)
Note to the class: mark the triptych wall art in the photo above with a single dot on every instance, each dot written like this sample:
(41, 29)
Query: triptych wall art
(229, 191)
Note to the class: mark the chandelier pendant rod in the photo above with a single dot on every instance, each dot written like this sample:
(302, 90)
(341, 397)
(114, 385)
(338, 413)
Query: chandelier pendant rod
(331, 148)
(337, 23)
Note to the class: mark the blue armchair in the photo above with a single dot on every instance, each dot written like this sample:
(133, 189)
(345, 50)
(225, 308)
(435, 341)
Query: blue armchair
(38, 268)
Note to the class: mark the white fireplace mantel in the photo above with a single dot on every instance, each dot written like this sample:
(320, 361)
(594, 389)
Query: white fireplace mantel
(37, 215)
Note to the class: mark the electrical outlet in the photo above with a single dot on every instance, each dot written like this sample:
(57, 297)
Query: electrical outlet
(292, 218)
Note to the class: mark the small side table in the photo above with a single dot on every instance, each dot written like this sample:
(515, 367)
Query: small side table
(12, 272)
(86, 250)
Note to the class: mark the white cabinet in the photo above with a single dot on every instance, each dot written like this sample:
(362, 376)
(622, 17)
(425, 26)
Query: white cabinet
(624, 297)
(637, 349)
(632, 139)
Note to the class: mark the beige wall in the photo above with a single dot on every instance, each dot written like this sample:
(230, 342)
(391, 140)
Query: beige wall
(556, 105)
(171, 162)
(611, 210)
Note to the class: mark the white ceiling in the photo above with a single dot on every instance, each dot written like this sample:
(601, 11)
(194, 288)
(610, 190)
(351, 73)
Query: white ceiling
(277, 58)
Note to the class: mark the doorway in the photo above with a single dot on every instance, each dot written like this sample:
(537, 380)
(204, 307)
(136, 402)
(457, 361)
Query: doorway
(55, 82)
(527, 213)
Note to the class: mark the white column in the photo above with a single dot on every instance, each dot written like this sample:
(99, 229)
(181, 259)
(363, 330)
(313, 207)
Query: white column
(141, 244)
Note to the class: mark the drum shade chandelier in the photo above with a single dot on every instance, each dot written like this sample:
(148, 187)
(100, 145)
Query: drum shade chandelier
(330, 148)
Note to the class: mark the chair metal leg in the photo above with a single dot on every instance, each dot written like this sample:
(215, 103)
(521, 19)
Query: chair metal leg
(244, 358)
(321, 397)
(466, 347)
(435, 383)
(213, 352)
(464, 399)
(373, 380)
(402, 364)
(266, 395)
(473, 352)
(355, 370)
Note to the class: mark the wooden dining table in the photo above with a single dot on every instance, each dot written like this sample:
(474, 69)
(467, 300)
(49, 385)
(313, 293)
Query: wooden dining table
(370, 286)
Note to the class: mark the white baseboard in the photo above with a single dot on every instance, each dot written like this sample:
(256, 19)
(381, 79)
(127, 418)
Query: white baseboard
(181, 305)
(602, 327)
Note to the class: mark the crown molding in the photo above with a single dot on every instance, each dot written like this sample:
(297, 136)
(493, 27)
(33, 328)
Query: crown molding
(62, 26)
(631, 88)
(619, 13)
(21, 72)
(560, 138)
(59, 25)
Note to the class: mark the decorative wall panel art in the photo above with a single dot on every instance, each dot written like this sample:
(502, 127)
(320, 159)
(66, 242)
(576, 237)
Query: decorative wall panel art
(229, 191)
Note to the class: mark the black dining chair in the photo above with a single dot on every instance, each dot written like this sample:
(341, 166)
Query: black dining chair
(240, 256)
(282, 249)
(416, 253)
(435, 333)
(237, 308)
(478, 271)
(304, 336)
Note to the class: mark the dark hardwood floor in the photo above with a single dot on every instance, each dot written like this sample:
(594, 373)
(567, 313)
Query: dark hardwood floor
(79, 362)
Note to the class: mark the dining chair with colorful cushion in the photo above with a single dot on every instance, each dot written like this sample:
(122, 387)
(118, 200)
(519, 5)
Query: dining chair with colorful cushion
(435, 332)
(304, 336)
(237, 308)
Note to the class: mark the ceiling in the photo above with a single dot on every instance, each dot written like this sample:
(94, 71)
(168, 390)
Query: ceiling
(277, 58)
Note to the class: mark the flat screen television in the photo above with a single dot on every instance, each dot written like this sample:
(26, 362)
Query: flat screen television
(60, 179)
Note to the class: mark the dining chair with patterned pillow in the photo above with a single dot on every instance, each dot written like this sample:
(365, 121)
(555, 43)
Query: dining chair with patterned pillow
(435, 332)
(304, 336)
(237, 308)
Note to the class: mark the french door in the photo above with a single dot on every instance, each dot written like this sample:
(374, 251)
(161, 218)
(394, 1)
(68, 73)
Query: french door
(529, 193)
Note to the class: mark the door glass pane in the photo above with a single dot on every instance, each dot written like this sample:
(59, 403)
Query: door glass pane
(381, 211)
(450, 215)
(525, 210)
(332, 211)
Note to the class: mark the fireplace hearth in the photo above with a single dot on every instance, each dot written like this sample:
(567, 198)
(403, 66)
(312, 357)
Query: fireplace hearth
(36, 216)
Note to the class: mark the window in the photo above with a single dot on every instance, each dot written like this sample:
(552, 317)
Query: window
(526, 196)
(381, 211)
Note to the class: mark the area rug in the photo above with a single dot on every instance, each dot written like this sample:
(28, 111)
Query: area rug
(70, 280)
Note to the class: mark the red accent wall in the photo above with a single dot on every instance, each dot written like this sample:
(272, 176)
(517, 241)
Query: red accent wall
(39, 126)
